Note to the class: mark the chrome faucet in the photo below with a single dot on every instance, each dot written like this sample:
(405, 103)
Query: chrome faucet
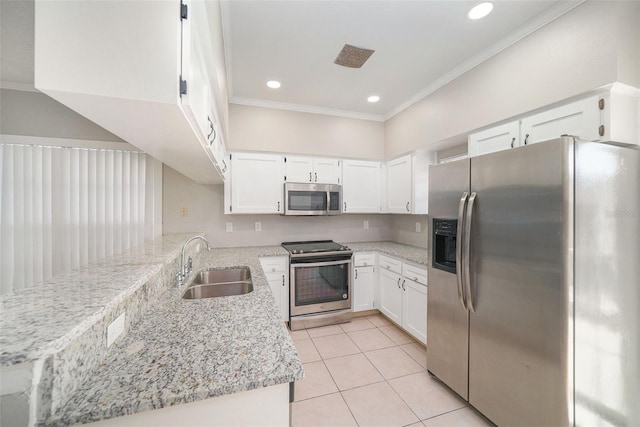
(185, 269)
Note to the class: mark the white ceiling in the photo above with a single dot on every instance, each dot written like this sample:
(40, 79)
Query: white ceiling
(419, 46)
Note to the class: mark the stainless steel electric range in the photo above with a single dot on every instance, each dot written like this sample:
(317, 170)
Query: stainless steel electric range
(321, 282)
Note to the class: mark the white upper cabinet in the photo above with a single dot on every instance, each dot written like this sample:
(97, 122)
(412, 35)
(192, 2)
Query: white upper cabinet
(256, 183)
(400, 185)
(312, 169)
(120, 65)
(360, 186)
(497, 138)
(580, 118)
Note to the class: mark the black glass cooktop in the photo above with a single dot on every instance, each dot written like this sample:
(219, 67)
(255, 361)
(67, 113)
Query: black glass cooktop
(316, 246)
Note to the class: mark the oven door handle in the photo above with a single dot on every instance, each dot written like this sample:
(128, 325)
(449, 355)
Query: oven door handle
(319, 264)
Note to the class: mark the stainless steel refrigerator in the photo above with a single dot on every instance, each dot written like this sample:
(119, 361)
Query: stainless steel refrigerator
(534, 283)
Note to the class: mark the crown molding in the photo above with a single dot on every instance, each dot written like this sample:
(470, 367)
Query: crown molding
(305, 109)
(545, 18)
(225, 22)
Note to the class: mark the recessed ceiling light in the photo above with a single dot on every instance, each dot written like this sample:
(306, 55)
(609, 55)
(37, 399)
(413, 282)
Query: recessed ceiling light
(480, 10)
(273, 84)
(373, 98)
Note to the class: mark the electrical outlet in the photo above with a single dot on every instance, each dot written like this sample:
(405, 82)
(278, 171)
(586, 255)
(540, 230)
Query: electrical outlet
(365, 225)
(418, 227)
(184, 212)
(258, 226)
(229, 227)
(115, 329)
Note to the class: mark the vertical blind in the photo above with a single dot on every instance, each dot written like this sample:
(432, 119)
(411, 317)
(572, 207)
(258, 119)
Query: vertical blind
(63, 208)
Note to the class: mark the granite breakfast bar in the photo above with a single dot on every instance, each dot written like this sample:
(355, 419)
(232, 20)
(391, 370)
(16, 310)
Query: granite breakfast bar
(177, 353)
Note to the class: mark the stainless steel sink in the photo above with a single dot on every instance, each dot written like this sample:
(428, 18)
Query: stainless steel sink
(212, 275)
(212, 283)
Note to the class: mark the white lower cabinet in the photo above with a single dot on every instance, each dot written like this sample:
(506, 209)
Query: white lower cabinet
(402, 295)
(390, 302)
(277, 271)
(364, 281)
(414, 309)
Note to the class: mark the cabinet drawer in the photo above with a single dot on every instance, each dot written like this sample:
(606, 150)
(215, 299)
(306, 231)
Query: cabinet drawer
(391, 264)
(274, 264)
(415, 273)
(278, 277)
(364, 260)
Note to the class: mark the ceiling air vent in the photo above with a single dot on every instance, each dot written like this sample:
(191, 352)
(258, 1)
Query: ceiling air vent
(353, 57)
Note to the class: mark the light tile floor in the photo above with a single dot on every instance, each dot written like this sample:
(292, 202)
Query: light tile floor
(370, 373)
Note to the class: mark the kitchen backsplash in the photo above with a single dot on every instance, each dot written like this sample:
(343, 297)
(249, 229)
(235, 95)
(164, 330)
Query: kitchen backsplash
(205, 206)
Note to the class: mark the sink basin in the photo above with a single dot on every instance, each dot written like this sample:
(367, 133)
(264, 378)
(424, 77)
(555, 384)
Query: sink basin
(212, 283)
(212, 275)
(217, 290)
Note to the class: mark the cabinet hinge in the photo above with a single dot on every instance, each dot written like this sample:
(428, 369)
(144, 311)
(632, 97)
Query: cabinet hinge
(229, 156)
(338, 180)
(184, 11)
(601, 130)
(601, 104)
(285, 159)
(285, 178)
(230, 208)
(183, 86)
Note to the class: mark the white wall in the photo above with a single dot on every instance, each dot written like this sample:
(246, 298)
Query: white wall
(267, 129)
(591, 46)
(36, 114)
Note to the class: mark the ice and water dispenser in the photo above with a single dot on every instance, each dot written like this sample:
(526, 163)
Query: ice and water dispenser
(444, 244)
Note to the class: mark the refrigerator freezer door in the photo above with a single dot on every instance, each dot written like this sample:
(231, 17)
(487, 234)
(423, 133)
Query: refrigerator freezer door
(607, 292)
(519, 336)
(448, 321)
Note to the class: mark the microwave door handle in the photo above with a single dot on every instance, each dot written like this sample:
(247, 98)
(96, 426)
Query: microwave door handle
(466, 256)
(328, 202)
(459, 240)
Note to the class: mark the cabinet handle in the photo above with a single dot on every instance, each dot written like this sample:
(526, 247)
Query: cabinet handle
(283, 280)
(309, 176)
(403, 288)
(225, 166)
(316, 174)
(398, 283)
(408, 207)
(345, 206)
(415, 279)
(526, 139)
(278, 206)
(356, 274)
(210, 127)
(513, 141)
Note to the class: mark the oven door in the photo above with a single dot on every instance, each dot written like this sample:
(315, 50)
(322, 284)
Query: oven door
(320, 286)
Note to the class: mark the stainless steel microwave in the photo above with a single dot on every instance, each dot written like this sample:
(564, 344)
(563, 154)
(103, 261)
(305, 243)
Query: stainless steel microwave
(302, 198)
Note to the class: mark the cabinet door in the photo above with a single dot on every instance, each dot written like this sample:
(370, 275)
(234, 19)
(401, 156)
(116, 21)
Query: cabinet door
(390, 301)
(360, 186)
(414, 309)
(580, 118)
(299, 169)
(364, 286)
(497, 138)
(399, 185)
(326, 171)
(256, 183)
(279, 283)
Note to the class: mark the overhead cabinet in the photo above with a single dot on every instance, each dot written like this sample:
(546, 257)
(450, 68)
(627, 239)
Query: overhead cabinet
(145, 71)
(609, 116)
(400, 185)
(256, 184)
(360, 186)
(312, 169)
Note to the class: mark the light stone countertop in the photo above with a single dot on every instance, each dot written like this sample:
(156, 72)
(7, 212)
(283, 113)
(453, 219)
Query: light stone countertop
(409, 253)
(188, 350)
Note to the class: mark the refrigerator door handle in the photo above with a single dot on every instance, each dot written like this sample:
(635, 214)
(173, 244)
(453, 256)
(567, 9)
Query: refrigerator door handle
(467, 246)
(459, 233)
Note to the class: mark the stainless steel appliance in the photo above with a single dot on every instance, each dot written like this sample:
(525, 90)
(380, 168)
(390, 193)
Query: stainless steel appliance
(534, 283)
(305, 198)
(321, 282)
